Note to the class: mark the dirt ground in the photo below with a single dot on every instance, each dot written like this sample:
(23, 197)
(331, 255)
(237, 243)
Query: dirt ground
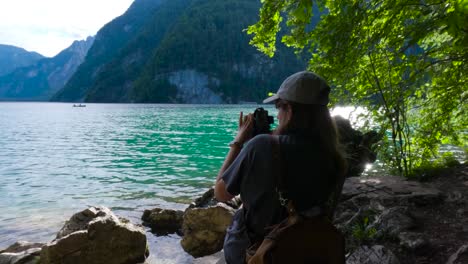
(444, 224)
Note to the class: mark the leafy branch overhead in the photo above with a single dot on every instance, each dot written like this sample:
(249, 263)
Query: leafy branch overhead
(406, 61)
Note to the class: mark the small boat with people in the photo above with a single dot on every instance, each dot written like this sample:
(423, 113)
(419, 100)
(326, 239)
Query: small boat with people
(79, 105)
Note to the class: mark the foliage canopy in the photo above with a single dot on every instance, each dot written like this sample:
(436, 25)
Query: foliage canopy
(405, 60)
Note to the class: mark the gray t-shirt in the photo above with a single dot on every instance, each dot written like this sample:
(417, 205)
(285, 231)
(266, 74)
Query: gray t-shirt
(304, 169)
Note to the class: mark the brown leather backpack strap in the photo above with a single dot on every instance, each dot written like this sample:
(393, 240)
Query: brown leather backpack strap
(276, 155)
(276, 158)
(281, 189)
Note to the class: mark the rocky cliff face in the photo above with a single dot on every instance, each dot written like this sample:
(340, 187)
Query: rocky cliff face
(40, 81)
(193, 87)
(62, 73)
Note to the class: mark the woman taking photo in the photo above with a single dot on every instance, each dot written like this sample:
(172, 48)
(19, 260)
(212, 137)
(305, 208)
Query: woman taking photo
(312, 164)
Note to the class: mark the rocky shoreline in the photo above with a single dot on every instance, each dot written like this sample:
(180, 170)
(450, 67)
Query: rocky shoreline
(390, 220)
(386, 219)
(94, 235)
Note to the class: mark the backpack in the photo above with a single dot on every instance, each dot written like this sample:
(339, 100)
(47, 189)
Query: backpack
(303, 237)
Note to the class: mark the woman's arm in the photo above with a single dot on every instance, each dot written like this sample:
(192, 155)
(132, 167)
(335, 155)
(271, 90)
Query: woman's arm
(220, 191)
(244, 134)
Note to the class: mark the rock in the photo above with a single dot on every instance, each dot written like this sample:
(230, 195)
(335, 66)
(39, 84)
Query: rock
(389, 191)
(29, 256)
(103, 238)
(204, 229)
(21, 246)
(454, 196)
(460, 257)
(393, 221)
(346, 217)
(208, 199)
(193, 87)
(163, 221)
(80, 221)
(377, 254)
(413, 241)
(376, 196)
(22, 252)
(216, 258)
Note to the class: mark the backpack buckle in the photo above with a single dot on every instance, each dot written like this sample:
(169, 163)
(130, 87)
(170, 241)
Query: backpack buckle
(283, 201)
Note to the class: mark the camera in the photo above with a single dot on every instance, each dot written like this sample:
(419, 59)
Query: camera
(261, 122)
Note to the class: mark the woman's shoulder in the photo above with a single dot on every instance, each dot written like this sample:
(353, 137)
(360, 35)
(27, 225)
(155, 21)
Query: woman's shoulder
(260, 141)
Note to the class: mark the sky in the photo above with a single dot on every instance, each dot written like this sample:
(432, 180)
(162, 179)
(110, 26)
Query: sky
(50, 26)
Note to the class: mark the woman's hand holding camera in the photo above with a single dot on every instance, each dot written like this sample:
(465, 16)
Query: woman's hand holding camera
(245, 128)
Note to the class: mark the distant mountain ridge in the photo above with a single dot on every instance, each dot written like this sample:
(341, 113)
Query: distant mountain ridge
(38, 82)
(12, 57)
(179, 51)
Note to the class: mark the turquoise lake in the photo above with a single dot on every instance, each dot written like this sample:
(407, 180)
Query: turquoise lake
(57, 159)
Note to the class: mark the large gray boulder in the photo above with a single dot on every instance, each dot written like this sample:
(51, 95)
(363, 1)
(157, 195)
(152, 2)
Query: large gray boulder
(388, 198)
(204, 229)
(389, 191)
(94, 236)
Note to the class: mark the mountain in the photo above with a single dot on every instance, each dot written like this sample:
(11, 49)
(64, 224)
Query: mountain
(114, 80)
(12, 57)
(40, 81)
(206, 58)
(110, 40)
(185, 51)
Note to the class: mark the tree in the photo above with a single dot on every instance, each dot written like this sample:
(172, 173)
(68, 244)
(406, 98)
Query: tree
(405, 60)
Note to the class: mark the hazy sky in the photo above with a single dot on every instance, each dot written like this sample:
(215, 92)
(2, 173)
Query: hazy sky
(49, 26)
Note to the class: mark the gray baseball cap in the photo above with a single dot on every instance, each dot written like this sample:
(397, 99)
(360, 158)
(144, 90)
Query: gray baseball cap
(303, 87)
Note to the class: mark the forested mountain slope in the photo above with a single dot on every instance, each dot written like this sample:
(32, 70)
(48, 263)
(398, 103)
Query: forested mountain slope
(181, 51)
(110, 40)
(206, 58)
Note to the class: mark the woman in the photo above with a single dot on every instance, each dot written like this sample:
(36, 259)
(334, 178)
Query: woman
(312, 165)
